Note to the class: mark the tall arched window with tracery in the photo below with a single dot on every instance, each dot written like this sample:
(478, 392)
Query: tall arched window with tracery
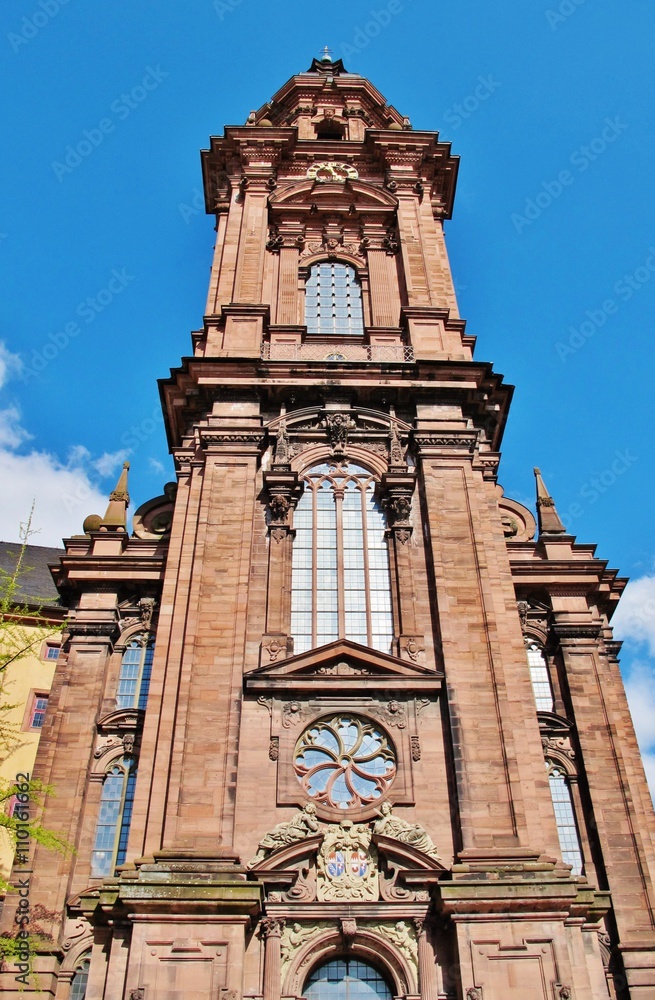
(80, 979)
(333, 300)
(542, 687)
(113, 826)
(134, 677)
(341, 585)
(567, 828)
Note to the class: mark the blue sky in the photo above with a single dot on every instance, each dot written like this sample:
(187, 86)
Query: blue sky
(105, 251)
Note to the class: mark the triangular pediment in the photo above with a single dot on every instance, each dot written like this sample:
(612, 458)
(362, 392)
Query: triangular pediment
(343, 665)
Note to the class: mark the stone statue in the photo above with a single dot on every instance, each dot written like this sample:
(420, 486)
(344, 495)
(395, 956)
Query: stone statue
(303, 824)
(408, 833)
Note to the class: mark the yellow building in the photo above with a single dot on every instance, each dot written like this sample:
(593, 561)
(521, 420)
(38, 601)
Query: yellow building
(25, 683)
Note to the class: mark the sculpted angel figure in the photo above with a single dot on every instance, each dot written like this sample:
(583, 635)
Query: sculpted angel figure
(413, 834)
(303, 824)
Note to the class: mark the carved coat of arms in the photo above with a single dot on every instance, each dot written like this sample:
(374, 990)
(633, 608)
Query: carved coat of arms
(347, 864)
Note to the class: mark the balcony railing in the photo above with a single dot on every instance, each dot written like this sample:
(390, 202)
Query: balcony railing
(343, 353)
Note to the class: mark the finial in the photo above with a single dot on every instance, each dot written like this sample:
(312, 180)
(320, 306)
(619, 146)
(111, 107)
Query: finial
(327, 55)
(549, 522)
(115, 518)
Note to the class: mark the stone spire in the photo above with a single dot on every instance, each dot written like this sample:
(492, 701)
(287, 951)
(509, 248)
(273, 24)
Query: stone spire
(115, 518)
(547, 516)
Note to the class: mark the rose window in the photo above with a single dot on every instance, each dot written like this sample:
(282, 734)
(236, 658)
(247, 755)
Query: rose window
(344, 761)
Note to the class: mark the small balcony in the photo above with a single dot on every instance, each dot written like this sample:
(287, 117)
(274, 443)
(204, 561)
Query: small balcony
(280, 350)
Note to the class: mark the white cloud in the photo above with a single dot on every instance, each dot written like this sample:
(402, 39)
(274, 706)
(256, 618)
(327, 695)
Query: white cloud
(11, 433)
(156, 466)
(63, 495)
(10, 364)
(110, 462)
(640, 689)
(63, 492)
(634, 620)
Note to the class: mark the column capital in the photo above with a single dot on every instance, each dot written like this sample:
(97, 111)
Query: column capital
(272, 927)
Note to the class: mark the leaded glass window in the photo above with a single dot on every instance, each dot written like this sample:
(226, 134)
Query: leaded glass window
(134, 678)
(333, 300)
(341, 586)
(80, 981)
(345, 761)
(113, 828)
(567, 829)
(540, 677)
(346, 979)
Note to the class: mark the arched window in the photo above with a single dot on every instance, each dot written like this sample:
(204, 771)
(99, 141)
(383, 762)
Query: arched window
(112, 831)
(80, 980)
(540, 677)
(333, 301)
(567, 829)
(134, 678)
(346, 979)
(341, 586)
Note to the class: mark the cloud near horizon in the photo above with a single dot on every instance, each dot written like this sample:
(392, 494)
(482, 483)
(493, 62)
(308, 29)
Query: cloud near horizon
(62, 492)
(634, 623)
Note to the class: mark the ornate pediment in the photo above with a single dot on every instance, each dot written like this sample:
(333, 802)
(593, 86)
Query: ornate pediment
(311, 191)
(343, 666)
(387, 858)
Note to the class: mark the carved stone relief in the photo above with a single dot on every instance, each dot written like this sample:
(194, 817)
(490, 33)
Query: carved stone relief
(413, 834)
(292, 714)
(347, 864)
(293, 938)
(302, 825)
(402, 935)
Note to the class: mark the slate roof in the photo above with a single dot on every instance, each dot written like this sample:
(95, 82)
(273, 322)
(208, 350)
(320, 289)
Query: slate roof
(36, 585)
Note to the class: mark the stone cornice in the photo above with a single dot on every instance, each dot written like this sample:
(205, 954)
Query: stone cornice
(189, 393)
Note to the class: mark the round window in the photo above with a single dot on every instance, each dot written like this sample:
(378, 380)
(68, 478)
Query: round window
(345, 761)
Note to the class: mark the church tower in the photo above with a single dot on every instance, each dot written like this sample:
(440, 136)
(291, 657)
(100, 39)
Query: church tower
(339, 720)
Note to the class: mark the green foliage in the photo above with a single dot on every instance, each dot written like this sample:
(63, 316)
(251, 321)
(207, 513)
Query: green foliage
(23, 627)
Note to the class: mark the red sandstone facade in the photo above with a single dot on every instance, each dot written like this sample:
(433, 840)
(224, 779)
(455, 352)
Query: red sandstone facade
(241, 877)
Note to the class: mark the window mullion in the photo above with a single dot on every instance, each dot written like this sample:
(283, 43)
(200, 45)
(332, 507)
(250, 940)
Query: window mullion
(367, 577)
(314, 565)
(121, 812)
(341, 585)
